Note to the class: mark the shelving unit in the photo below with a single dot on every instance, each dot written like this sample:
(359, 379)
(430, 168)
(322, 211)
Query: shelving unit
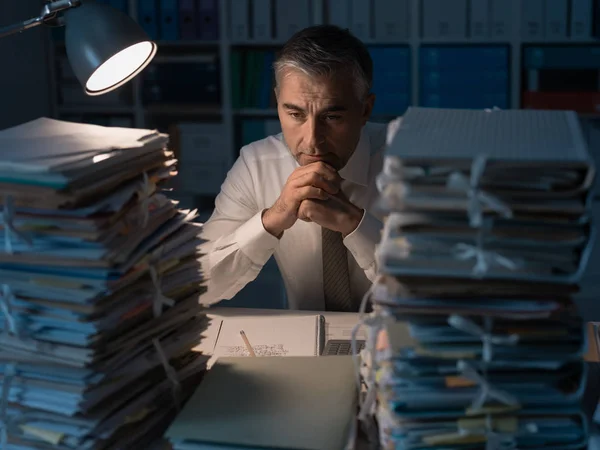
(178, 51)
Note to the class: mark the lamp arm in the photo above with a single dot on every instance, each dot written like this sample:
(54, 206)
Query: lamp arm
(49, 12)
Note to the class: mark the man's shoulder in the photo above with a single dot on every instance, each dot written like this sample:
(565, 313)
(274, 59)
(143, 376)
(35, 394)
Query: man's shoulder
(267, 149)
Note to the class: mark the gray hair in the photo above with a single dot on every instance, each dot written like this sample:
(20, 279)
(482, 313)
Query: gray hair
(325, 50)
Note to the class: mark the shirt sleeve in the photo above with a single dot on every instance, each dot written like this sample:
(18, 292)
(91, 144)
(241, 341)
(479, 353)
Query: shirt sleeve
(362, 241)
(236, 246)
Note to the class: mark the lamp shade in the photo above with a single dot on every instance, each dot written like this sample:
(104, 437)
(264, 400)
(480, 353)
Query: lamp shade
(106, 48)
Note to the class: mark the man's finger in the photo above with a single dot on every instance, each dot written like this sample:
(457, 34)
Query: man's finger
(308, 192)
(315, 179)
(325, 170)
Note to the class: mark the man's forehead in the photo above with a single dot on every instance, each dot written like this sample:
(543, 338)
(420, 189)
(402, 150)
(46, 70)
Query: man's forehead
(296, 82)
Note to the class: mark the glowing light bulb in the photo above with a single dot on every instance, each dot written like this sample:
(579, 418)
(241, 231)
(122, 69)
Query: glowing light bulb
(120, 68)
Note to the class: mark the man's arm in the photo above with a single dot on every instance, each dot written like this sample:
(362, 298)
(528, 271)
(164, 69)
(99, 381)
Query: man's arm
(362, 241)
(360, 229)
(237, 245)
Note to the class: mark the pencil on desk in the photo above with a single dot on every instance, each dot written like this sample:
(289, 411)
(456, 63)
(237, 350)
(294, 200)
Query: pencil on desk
(247, 343)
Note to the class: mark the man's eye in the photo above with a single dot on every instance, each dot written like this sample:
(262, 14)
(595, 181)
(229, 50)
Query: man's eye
(295, 115)
(330, 117)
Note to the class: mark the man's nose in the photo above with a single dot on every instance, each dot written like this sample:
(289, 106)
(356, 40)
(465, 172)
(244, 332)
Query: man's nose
(314, 135)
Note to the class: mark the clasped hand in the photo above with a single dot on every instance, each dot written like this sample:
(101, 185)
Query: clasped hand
(313, 193)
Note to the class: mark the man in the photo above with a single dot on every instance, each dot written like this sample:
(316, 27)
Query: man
(304, 195)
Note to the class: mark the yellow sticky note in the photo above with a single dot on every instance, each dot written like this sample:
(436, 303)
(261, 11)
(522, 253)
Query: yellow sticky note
(56, 283)
(421, 351)
(52, 437)
(509, 424)
(495, 409)
(137, 416)
(454, 438)
(458, 382)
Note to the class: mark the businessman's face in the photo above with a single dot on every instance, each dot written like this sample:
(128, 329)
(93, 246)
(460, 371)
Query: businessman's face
(322, 118)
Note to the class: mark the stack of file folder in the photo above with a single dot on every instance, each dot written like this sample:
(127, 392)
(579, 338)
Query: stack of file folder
(487, 233)
(99, 286)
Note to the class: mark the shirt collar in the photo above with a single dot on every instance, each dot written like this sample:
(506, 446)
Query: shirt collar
(357, 168)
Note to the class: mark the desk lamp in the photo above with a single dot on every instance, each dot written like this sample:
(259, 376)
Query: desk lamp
(105, 47)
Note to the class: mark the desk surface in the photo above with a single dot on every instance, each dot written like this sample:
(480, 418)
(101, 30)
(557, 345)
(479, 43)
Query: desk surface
(338, 325)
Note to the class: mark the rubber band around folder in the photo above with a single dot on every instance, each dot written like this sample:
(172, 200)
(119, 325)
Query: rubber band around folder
(486, 390)
(145, 194)
(477, 197)
(10, 231)
(494, 440)
(485, 334)
(375, 323)
(484, 259)
(170, 372)
(159, 298)
(10, 370)
(6, 299)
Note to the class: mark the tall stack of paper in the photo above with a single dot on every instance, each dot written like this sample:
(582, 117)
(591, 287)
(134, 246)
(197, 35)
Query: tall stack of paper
(487, 233)
(99, 280)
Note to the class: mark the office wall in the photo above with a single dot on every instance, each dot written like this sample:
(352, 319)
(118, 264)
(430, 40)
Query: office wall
(24, 78)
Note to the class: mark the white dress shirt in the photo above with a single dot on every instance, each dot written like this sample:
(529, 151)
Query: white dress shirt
(238, 245)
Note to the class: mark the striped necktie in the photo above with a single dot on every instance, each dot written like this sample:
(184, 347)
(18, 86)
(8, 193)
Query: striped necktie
(336, 280)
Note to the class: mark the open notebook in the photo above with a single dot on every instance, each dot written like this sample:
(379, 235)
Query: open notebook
(272, 336)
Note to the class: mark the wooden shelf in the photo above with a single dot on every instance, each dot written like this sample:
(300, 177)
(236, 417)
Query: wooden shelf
(190, 43)
(271, 43)
(96, 109)
(187, 110)
(257, 112)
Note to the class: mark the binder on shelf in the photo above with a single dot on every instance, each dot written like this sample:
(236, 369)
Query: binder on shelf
(581, 19)
(472, 81)
(187, 19)
(596, 19)
(556, 14)
(338, 13)
(501, 18)
(272, 127)
(291, 17)
(391, 80)
(148, 17)
(201, 179)
(236, 61)
(204, 157)
(463, 58)
(262, 25)
(207, 28)
(479, 19)
(121, 5)
(391, 20)
(444, 19)
(267, 80)
(202, 143)
(581, 102)
(253, 130)
(532, 19)
(562, 57)
(195, 83)
(360, 16)
(240, 20)
(169, 20)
